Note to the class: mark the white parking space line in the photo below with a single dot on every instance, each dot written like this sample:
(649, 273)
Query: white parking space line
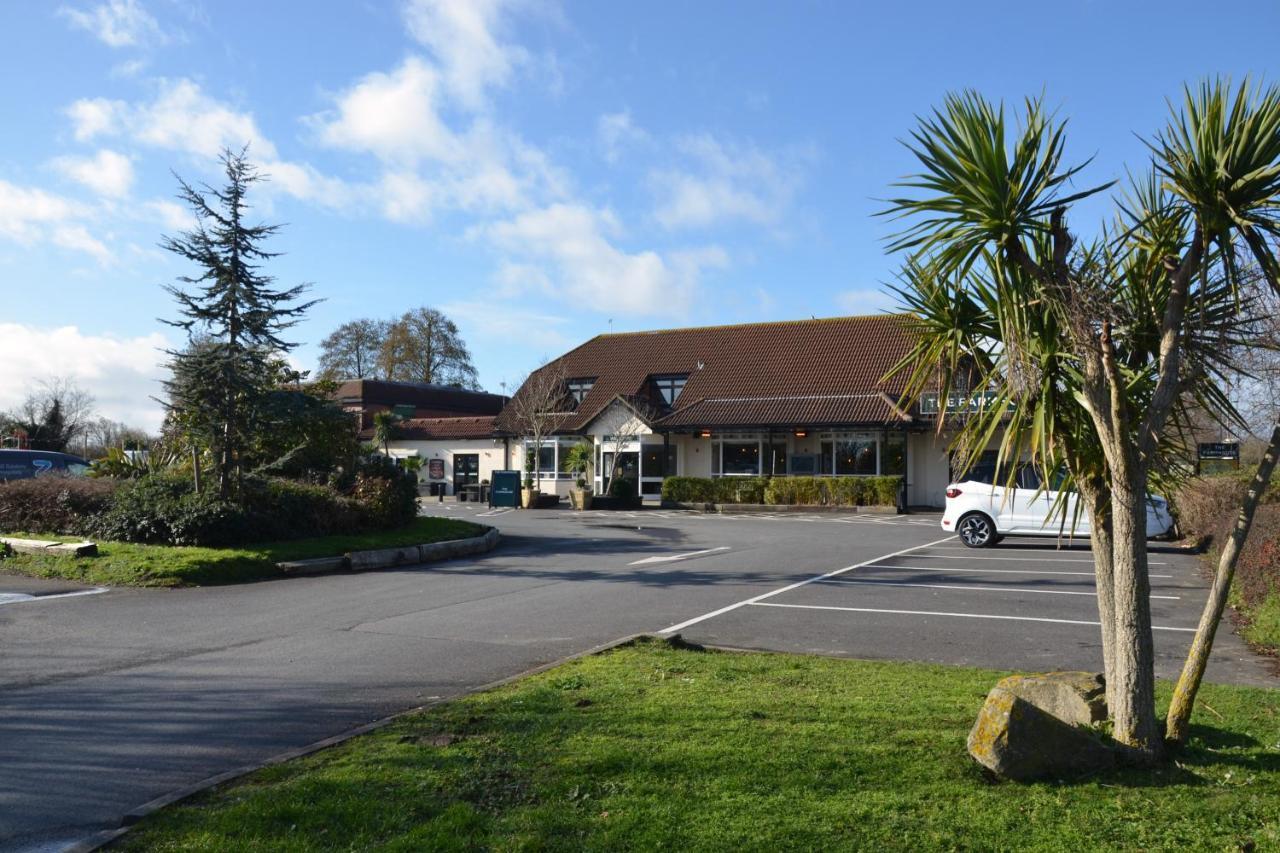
(983, 588)
(22, 597)
(988, 571)
(493, 512)
(758, 598)
(668, 558)
(1014, 559)
(944, 613)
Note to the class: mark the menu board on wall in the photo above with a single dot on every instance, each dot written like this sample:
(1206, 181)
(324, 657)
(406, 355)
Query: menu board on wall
(435, 469)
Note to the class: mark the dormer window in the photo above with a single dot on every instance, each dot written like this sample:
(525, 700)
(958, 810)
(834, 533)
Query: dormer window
(669, 387)
(579, 389)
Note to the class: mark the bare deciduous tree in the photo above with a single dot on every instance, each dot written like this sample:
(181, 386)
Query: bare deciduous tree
(537, 409)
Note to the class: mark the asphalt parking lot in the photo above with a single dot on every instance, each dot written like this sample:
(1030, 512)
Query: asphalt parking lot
(1029, 603)
(112, 698)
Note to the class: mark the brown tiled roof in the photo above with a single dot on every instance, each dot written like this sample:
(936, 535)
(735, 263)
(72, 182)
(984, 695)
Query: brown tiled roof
(796, 372)
(810, 410)
(427, 429)
(432, 400)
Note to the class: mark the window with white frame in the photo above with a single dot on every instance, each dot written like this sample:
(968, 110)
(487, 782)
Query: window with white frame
(579, 388)
(669, 387)
(548, 457)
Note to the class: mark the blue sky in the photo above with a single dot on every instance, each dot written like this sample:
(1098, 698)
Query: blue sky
(540, 171)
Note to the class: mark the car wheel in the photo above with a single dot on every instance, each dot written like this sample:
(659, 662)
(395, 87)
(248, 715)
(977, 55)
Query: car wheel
(977, 531)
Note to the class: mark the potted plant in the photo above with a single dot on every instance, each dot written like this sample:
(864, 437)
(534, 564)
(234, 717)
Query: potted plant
(529, 495)
(578, 461)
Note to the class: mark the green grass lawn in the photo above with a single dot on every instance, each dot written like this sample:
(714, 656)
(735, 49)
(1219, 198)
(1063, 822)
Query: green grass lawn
(127, 564)
(650, 746)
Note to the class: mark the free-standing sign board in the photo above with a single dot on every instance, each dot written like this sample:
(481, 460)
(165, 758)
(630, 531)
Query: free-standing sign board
(435, 469)
(504, 489)
(1214, 456)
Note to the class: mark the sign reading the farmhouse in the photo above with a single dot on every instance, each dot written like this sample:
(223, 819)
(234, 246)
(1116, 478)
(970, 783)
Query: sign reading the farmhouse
(1220, 450)
(435, 469)
(957, 403)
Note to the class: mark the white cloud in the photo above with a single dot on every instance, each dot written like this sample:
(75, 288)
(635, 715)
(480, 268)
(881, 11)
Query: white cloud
(727, 183)
(107, 173)
(121, 373)
(573, 239)
(394, 116)
(170, 214)
(182, 117)
(405, 197)
(77, 238)
(614, 131)
(30, 215)
(464, 38)
(117, 23)
(91, 117)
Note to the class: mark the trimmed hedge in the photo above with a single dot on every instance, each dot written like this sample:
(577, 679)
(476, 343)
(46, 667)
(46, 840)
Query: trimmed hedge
(54, 504)
(800, 491)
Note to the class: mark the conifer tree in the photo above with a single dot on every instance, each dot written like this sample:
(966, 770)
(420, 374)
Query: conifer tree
(233, 315)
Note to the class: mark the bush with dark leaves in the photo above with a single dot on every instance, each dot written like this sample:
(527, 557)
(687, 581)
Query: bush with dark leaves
(53, 504)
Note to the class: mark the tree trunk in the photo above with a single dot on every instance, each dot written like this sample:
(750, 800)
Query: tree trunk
(1184, 695)
(1131, 687)
(1102, 545)
(195, 468)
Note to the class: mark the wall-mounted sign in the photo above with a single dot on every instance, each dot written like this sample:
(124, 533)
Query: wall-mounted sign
(435, 469)
(1219, 450)
(958, 403)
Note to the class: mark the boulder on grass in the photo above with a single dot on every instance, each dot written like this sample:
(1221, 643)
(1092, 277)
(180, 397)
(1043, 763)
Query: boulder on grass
(1078, 698)
(1017, 740)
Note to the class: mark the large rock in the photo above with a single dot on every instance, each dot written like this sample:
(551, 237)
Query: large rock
(1078, 698)
(1017, 740)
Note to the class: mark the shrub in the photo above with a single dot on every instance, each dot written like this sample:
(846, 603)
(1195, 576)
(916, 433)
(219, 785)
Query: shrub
(739, 490)
(812, 491)
(54, 504)
(688, 489)
(164, 509)
(386, 502)
(624, 490)
(297, 510)
(886, 490)
(781, 490)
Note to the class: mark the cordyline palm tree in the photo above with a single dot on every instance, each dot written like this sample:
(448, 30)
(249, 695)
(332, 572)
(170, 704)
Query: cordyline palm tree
(384, 429)
(1091, 355)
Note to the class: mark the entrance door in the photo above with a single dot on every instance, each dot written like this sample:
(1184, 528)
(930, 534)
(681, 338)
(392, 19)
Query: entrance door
(466, 470)
(627, 465)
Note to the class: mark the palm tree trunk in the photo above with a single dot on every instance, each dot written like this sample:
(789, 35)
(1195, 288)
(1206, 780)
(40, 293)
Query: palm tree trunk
(1177, 723)
(1102, 545)
(1133, 695)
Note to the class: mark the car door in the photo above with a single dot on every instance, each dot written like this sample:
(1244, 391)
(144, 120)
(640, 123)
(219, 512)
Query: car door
(1024, 508)
(1069, 526)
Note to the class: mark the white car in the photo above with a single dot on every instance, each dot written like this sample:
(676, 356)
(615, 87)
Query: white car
(982, 513)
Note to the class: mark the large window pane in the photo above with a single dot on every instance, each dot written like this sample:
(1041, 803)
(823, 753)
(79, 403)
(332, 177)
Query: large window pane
(893, 454)
(856, 456)
(824, 458)
(547, 460)
(741, 457)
